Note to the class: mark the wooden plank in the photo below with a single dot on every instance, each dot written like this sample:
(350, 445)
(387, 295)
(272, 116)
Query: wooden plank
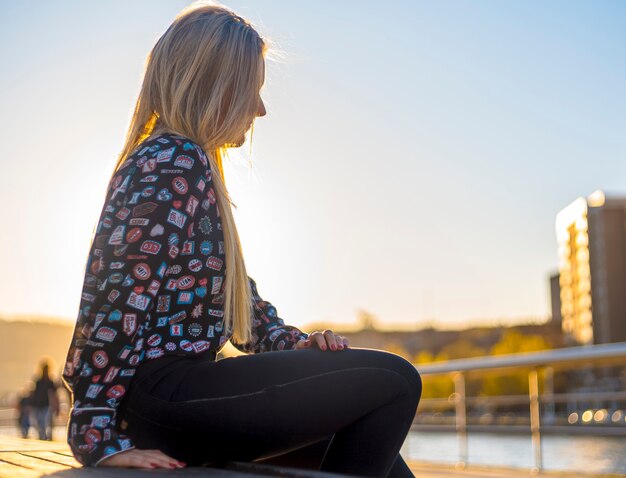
(54, 457)
(31, 463)
(64, 453)
(8, 470)
(8, 443)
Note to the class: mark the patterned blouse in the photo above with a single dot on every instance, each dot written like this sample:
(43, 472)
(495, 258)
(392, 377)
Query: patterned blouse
(153, 286)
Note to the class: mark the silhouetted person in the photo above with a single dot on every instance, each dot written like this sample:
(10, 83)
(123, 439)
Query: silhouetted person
(24, 410)
(44, 402)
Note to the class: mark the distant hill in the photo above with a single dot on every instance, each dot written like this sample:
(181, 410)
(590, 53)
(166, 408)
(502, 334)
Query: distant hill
(434, 341)
(23, 343)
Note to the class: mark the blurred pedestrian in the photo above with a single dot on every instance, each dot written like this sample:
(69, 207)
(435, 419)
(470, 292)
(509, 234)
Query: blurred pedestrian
(44, 401)
(24, 410)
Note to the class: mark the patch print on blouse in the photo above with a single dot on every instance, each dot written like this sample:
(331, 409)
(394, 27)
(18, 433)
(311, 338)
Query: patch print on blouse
(153, 285)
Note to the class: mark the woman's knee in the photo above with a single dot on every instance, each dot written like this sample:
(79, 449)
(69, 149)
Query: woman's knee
(400, 365)
(410, 373)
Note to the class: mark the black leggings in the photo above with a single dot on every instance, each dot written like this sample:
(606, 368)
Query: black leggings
(346, 411)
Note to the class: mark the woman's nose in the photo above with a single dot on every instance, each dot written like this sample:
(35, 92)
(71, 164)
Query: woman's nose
(261, 111)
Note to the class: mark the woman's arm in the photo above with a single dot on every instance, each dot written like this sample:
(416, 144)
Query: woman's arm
(150, 207)
(269, 331)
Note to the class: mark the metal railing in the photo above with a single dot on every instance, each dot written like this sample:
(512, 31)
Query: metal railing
(549, 360)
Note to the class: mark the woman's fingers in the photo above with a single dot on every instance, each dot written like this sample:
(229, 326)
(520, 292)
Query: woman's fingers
(165, 460)
(331, 338)
(339, 342)
(326, 340)
(137, 458)
(319, 339)
(142, 461)
(168, 460)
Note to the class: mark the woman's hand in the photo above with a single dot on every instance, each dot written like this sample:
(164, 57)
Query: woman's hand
(321, 339)
(136, 458)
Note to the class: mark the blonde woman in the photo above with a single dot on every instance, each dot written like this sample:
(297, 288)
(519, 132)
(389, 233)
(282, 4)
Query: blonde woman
(166, 286)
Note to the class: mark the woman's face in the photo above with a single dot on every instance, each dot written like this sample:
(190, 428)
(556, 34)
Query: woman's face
(260, 111)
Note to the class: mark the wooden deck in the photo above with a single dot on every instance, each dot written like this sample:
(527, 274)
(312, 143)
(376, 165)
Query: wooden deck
(21, 458)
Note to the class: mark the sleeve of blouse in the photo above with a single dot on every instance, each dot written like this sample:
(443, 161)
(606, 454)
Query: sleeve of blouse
(269, 331)
(149, 211)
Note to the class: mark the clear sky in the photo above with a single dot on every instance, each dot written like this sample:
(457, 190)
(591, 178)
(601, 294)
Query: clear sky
(411, 163)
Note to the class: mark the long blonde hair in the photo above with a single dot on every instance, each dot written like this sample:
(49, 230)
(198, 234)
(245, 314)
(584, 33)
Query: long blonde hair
(201, 81)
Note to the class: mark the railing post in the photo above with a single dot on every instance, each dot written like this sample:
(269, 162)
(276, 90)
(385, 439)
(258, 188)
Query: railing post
(549, 414)
(461, 418)
(535, 425)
